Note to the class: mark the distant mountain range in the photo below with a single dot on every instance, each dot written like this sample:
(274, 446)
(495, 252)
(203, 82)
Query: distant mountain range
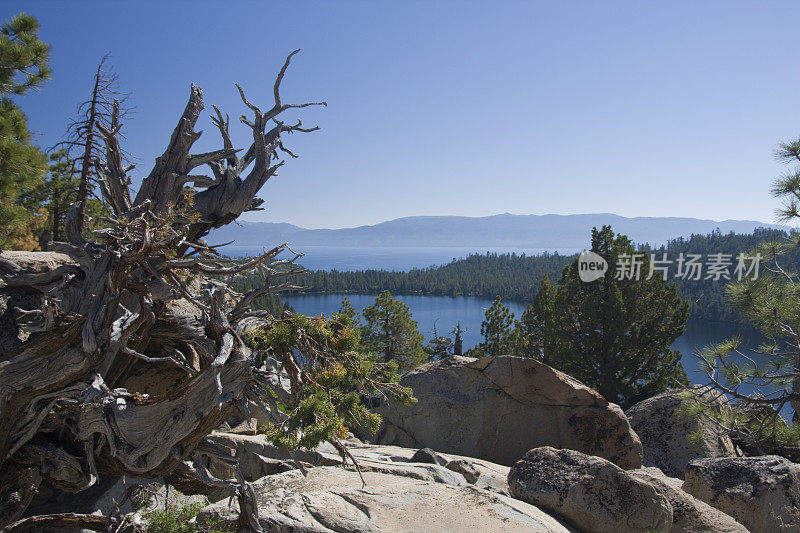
(497, 231)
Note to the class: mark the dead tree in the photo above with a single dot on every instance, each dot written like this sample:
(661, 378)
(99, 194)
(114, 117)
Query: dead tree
(68, 410)
(85, 142)
(458, 342)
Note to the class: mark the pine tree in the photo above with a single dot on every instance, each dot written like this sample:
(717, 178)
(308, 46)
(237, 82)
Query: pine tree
(23, 57)
(763, 381)
(338, 372)
(53, 197)
(390, 331)
(346, 311)
(537, 326)
(498, 332)
(55, 194)
(23, 66)
(613, 334)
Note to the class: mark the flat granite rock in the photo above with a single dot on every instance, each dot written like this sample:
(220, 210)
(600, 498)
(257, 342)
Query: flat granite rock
(334, 499)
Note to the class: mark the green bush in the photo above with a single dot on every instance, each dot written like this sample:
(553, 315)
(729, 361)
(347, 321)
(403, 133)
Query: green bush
(332, 371)
(179, 520)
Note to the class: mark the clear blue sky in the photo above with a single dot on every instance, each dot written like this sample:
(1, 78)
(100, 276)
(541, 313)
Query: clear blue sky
(438, 108)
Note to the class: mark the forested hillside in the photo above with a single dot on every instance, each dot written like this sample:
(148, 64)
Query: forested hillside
(706, 296)
(516, 277)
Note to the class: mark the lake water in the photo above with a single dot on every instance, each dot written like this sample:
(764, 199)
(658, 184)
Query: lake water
(385, 257)
(445, 312)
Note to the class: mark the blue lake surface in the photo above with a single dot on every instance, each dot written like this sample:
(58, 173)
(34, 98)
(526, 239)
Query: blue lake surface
(446, 311)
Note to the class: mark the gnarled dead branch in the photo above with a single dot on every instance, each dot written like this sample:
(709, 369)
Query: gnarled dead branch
(72, 404)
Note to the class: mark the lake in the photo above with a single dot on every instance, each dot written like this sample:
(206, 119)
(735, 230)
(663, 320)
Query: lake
(385, 257)
(445, 312)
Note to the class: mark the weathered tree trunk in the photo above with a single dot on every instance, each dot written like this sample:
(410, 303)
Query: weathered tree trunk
(86, 166)
(70, 409)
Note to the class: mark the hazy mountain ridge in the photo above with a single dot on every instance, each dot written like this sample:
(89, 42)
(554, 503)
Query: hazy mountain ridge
(520, 231)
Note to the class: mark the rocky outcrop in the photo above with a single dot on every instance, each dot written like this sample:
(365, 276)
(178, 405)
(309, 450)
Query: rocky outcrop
(35, 261)
(483, 474)
(334, 499)
(689, 515)
(329, 498)
(258, 458)
(763, 493)
(590, 493)
(671, 437)
(497, 408)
